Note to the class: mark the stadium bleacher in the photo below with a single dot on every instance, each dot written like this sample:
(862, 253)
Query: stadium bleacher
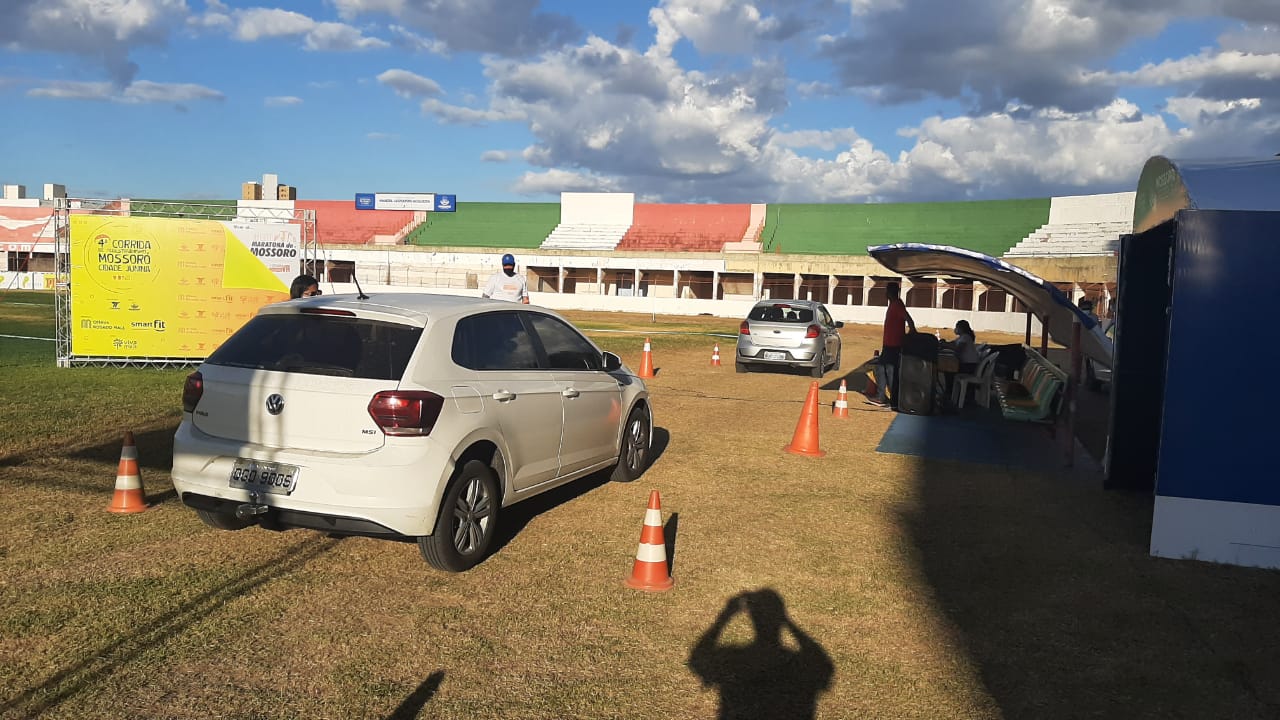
(488, 225)
(686, 228)
(338, 222)
(990, 227)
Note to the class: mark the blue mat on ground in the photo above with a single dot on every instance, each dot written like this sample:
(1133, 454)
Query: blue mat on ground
(972, 438)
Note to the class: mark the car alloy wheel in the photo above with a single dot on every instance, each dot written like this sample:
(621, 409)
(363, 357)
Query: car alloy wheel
(467, 520)
(633, 456)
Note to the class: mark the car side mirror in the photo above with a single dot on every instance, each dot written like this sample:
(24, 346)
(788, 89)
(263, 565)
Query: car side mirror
(839, 324)
(611, 362)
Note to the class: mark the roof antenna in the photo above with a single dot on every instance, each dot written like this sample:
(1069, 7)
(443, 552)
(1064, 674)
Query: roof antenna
(359, 293)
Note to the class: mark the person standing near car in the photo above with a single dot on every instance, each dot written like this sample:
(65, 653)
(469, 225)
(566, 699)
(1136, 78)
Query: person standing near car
(506, 284)
(896, 322)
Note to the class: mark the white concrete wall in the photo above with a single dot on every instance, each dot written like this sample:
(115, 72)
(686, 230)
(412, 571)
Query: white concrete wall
(729, 308)
(597, 208)
(1216, 531)
(1112, 207)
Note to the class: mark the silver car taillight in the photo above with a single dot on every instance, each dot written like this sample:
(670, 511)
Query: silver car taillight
(406, 412)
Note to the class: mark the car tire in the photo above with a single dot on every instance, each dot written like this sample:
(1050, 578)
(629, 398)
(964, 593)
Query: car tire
(467, 521)
(223, 520)
(819, 368)
(634, 451)
(741, 367)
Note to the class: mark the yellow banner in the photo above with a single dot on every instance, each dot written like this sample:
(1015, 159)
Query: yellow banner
(172, 288)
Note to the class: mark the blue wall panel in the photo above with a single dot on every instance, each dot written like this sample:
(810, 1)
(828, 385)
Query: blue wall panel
(1221, 423)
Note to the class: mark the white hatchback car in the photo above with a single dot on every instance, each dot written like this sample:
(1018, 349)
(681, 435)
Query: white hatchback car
(402, 415)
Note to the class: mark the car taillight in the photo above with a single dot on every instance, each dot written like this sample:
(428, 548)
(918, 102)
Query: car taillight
(406, 412)
(813, 332)
(191, 391)
(744, 328)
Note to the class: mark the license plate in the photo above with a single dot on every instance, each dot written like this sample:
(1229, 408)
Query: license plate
(268, 477)
(774, 355)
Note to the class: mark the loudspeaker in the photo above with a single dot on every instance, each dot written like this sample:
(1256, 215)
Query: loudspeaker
(916, 386)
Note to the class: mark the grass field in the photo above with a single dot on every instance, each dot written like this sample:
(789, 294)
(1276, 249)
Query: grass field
(897, 587)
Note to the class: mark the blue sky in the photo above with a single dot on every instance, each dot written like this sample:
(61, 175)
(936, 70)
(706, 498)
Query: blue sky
(676, 101)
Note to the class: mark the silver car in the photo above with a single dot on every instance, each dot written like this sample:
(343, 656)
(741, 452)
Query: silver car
(402, 415)
(789, 333)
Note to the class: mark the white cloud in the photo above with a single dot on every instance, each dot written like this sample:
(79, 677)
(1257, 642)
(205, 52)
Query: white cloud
(282, 101)
(379, 136)
(141, 91)
(495, 156)
(821, 139)
(336, 37)
(215, 17)
(1256, 39)
(261, 23)
(258, 23)
(556, 181)
(409, 40)
(1042, 53)
(459, 115)
(511, 28)
(1202, 67)
(104, 31)
(1191, 110)
(712, 26)
(407, 84)
(816, 88)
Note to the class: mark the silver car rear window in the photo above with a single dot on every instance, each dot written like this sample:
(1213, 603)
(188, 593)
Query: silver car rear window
(781, 312)
(321, 345)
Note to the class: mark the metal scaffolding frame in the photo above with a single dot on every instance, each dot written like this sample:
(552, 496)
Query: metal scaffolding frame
(63, 295)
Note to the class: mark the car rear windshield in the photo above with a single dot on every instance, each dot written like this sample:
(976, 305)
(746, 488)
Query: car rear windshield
(781, 313)
(321, 345)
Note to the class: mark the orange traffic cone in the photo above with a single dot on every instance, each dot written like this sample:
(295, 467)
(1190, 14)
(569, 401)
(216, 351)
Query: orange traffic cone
(871, 390)
(646, 360)
(128, 497)
(649, 573)
(841, 408)
(805, 439)
(715, 356)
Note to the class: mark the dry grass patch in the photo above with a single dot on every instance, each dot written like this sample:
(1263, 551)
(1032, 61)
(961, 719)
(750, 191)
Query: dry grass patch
(931, 589)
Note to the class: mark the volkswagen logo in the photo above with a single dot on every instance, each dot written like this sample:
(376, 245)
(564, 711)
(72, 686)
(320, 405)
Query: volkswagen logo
(275, 403)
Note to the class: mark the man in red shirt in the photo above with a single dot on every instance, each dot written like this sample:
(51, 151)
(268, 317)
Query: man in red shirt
(896, 322)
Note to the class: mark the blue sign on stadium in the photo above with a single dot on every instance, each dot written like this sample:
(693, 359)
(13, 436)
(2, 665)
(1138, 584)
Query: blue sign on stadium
(446, 203)
(364, 201)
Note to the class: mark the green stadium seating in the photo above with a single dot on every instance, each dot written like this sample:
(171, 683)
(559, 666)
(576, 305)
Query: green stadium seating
(990, 227)
(488, 225)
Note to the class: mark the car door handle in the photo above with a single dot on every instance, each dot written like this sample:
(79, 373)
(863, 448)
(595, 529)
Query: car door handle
(504, 396)
(569, 393)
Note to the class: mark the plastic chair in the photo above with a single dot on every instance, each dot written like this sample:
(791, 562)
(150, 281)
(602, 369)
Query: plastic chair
(981, 379)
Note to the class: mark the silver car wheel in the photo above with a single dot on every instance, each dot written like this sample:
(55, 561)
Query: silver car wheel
(471, 515)
(637, 444)
(633, 455)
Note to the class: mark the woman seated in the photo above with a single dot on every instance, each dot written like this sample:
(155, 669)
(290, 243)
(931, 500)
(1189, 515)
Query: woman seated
(965, 347)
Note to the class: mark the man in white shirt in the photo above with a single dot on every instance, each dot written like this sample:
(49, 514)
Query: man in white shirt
(506, 284)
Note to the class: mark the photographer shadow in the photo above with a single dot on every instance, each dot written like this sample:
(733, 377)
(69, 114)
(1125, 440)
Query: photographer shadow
(770, 677)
